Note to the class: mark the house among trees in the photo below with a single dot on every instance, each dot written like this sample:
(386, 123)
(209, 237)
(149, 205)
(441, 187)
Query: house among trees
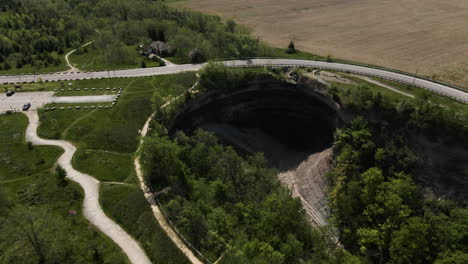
(159, 48)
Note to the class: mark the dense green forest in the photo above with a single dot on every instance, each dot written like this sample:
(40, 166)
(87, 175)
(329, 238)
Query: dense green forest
(378, 205)
(233, 206)
(37, 33)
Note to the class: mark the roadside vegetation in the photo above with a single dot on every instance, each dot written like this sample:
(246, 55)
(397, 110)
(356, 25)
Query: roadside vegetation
(40, 212)
(127, 205)
(433, 97)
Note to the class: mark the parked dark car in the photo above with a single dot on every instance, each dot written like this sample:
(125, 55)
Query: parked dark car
(26, 107)
(10, 93)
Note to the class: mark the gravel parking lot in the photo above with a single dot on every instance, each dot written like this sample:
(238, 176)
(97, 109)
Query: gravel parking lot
(39, 99)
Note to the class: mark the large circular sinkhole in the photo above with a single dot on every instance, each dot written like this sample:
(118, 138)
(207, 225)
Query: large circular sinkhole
(284, 121)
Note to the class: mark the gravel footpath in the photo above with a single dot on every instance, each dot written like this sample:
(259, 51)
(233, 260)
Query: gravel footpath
(91, 208)
(150, 195)
(154, 206)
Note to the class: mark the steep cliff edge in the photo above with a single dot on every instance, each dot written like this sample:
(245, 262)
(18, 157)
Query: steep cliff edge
(309, 183)
(291, 123)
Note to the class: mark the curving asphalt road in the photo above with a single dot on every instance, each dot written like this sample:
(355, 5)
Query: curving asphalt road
(91, 208)
(432, 86)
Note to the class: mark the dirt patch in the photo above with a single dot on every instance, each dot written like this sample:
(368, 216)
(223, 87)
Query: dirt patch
(330, 77)
(429, 36)
(309, 182)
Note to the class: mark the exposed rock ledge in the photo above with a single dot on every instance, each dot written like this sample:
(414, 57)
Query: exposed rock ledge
(309, 182)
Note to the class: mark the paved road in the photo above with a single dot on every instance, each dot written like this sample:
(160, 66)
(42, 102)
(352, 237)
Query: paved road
(39, 99)
(435, 87)
(91, 208)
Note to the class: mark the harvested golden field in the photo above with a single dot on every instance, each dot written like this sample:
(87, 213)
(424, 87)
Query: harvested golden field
(427, 36)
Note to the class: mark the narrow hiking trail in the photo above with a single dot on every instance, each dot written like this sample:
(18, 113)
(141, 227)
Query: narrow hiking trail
(367, 79)
(73, 68)
(154, 206)
(91, 207)
(150, 195)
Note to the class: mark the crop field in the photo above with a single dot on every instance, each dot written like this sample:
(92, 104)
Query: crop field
(429, 37)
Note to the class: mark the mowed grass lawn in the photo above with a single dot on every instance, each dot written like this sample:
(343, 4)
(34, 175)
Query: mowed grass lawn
(27, 179)
(106, 166)
(127, 205)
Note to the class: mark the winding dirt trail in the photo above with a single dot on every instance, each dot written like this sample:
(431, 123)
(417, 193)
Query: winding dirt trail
(91, 208)
(365, 78)
(73, 68)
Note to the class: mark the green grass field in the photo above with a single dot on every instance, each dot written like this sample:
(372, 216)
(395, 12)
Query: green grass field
(88, 91)
(17, 160)
(28, 180)
(93, 60)
(127, 205)
(105, 166)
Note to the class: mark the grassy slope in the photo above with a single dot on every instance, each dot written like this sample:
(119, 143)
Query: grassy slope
(93, 60)
(107, 139)
(127, 205)
(27, 177)
(435, 98)
(105, 166)
(16, 159)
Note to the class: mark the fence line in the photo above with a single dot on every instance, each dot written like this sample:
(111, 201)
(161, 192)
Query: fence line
(181, 236)
(351, 71)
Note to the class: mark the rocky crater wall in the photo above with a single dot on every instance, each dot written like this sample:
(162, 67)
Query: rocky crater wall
(292, 123)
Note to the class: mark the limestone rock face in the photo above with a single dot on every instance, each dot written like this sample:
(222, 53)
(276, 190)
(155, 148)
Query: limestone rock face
(309, 182)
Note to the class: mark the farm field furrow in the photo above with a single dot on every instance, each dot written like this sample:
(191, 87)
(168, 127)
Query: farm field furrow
(427, 37)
